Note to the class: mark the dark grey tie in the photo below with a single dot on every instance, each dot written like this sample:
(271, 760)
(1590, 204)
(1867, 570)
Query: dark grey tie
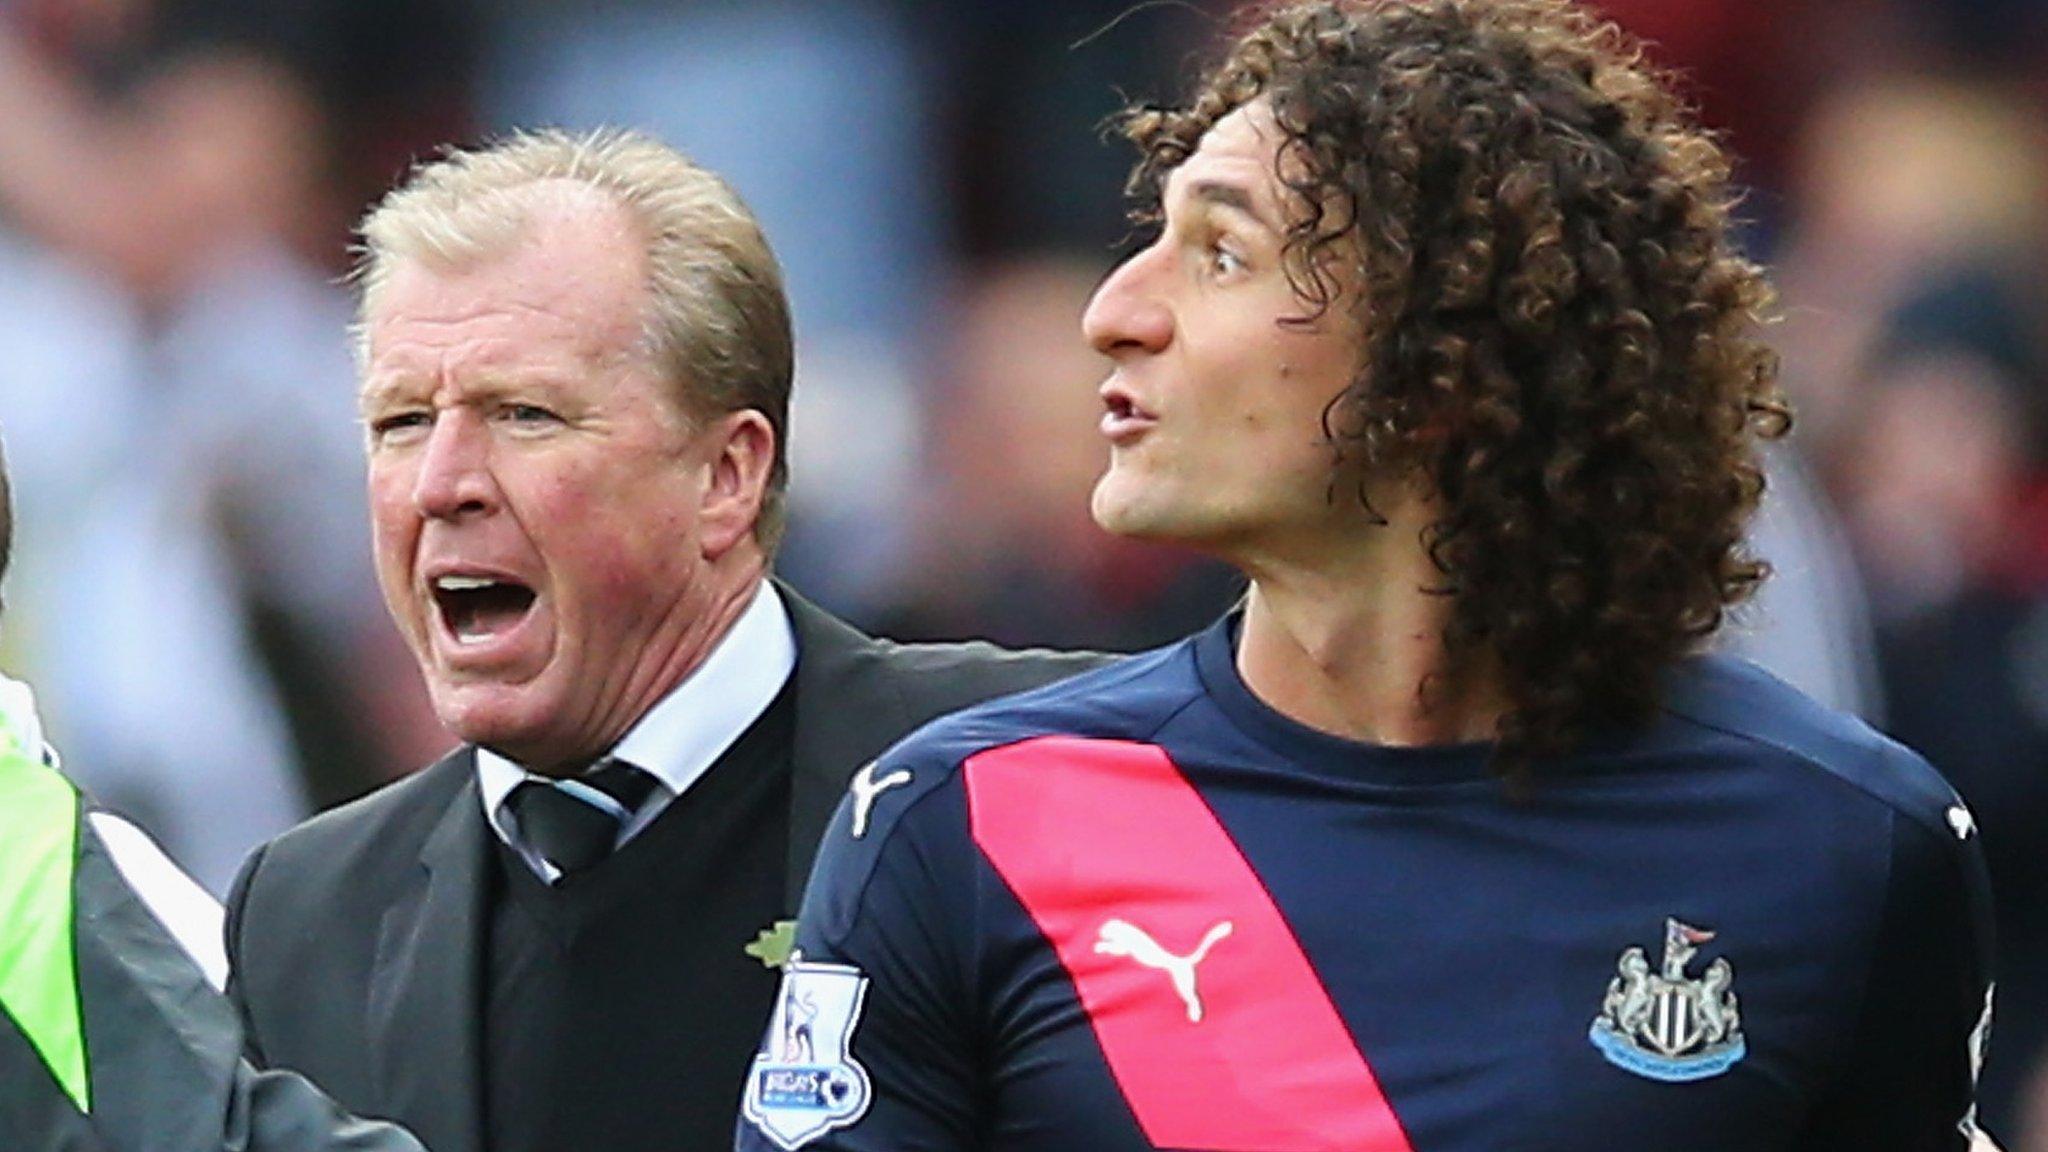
(574, 823)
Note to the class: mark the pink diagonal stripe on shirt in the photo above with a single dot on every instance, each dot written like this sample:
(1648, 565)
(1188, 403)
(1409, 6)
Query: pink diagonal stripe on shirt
(1091, 832)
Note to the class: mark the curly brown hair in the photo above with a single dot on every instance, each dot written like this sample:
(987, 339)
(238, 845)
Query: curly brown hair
(1559, 334)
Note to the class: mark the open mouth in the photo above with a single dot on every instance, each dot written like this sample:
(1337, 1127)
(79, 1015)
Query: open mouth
(1123, 421)
(1118, 403)
(477, 608)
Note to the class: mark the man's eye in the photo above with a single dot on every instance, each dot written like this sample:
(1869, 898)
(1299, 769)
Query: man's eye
(1225, 262)
(398, 425)
(526, 416)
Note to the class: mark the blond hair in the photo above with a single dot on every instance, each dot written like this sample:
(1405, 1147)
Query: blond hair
(718, 322)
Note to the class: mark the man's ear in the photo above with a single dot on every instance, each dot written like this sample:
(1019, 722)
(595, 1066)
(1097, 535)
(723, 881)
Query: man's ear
(742, 454)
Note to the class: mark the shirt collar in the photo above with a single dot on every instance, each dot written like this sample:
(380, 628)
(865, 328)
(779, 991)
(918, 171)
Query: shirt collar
(690, 728)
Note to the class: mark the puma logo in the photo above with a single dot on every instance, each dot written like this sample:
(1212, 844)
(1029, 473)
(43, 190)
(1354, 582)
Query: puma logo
(866, 788)
(1123, 938)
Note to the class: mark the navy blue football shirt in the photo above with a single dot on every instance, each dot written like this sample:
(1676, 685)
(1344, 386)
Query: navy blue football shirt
(1141, 910)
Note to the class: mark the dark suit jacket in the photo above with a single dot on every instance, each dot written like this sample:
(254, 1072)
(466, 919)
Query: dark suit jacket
(356, 939)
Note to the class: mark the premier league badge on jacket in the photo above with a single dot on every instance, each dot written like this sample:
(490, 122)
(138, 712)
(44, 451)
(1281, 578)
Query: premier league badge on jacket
(805, 1081)
(1666, 1025)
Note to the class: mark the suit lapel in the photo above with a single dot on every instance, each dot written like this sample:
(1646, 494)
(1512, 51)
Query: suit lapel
(424, 1003)
(847, 710)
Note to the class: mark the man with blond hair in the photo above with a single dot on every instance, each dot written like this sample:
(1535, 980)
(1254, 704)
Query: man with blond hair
(576, 361)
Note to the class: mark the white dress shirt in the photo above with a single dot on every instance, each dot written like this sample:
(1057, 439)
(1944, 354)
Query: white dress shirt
(684, 734)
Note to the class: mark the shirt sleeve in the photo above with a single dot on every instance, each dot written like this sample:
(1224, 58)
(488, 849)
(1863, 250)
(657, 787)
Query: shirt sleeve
(188, 912)
(871, 1042)
(165, 1048)
(281, 1111)
(1909, 1084)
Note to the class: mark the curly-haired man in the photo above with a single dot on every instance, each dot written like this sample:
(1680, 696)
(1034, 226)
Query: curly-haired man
(1449, 838)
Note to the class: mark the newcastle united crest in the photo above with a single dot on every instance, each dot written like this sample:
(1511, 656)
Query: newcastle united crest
(1665, 1024)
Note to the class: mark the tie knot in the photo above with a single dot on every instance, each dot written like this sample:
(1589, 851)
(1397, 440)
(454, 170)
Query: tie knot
(574, 823)
(628, 785)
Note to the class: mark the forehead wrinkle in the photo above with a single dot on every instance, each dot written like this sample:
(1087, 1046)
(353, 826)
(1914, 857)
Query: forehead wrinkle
(482, 376)
(562, 302)
(474, 362)
(588, 336)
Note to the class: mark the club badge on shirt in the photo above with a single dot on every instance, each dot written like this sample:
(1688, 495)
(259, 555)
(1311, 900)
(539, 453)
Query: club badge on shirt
(1667, 1025)
(805, 1081)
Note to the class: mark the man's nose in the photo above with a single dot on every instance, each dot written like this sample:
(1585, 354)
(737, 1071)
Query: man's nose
(1127, 313)
(455, 469)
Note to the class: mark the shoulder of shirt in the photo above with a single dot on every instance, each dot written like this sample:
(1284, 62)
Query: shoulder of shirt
(1128, 700)
(185, 910)
(1733, 697)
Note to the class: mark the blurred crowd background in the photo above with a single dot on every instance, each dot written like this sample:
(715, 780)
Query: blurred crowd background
(178, 179)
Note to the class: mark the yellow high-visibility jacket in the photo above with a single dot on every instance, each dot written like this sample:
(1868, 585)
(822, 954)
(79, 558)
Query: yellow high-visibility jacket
(112, 1039)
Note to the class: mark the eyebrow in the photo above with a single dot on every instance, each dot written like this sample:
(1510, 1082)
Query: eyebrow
(377, 390)
(1228, 195)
